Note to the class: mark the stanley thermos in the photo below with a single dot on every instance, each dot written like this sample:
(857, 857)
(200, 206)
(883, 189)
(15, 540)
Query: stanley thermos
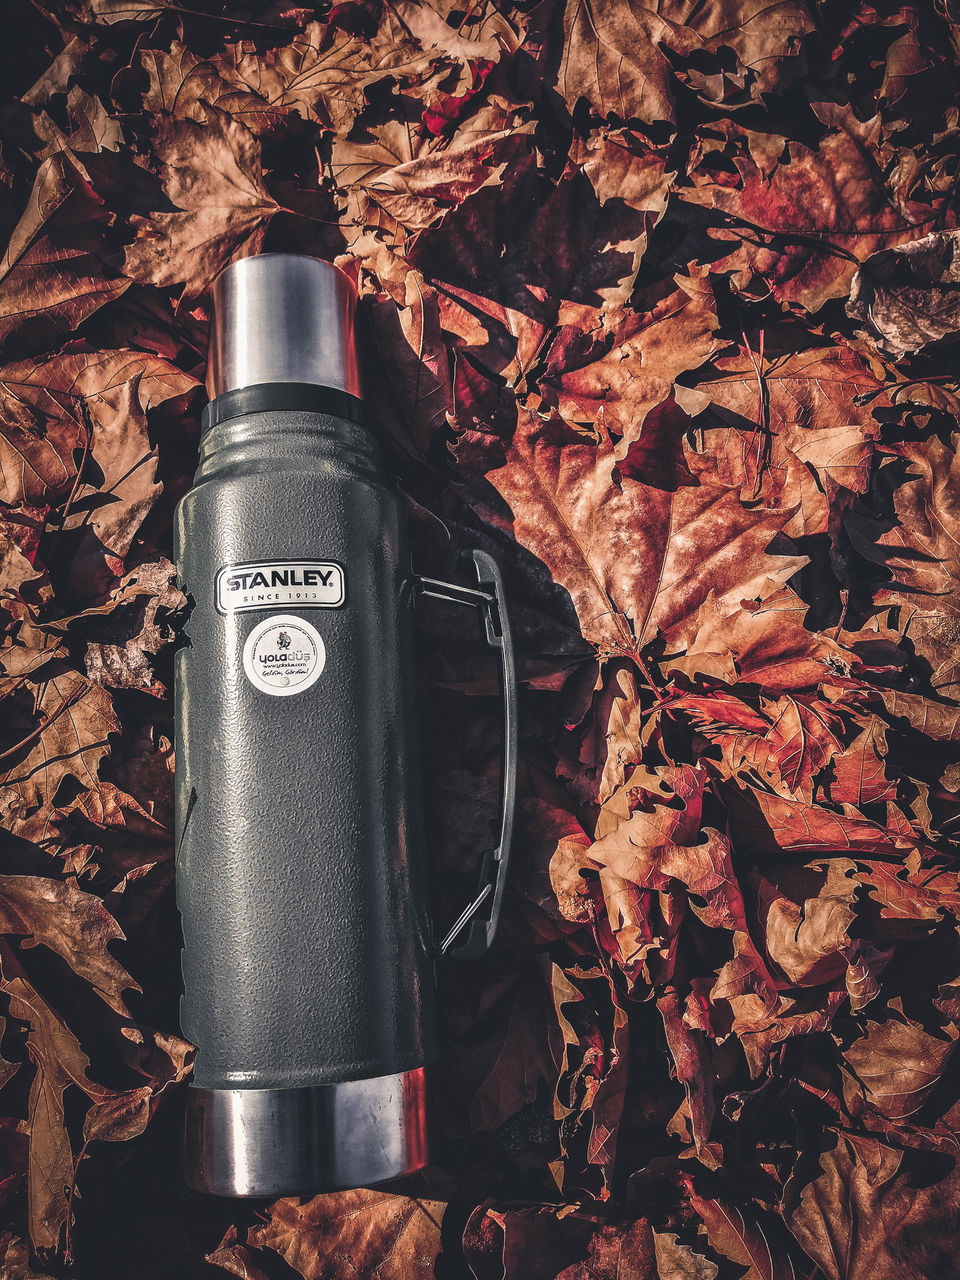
(308, 952)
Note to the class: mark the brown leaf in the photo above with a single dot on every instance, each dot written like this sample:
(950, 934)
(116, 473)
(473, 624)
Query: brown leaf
(676, 1260)
(896, 1063)
(97, 402)
(212, 173)
(923, 552)
(60, 1063)
(237, 1259)
(338, 1236)
(590, 1089)
(763, 641)
(859, 775)
(75, 925)
(617, 57)
(615, 379)
(65, 735)
(634, 559)
(692, 1064)
(861, 1223)
(15, 1260)
(55, 273)
(907, 295)
(746, 1238)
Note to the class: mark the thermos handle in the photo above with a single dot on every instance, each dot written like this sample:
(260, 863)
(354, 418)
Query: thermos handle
(476, 933)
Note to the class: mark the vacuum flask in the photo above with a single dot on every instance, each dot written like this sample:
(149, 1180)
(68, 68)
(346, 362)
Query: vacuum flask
(308, 951)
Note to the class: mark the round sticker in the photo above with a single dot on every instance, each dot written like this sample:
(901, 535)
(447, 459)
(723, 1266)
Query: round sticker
(283, 655)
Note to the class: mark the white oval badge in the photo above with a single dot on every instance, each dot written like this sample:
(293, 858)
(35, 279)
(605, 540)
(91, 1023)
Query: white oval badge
(283, 655)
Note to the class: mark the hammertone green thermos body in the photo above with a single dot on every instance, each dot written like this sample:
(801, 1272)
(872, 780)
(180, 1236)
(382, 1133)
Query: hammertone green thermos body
(300, 860)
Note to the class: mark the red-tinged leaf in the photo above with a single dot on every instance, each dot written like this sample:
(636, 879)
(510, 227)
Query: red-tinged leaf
(805, 226)
(552, 1242)
(760, 641)
(859, 775)
(918, 888)
(799, 825)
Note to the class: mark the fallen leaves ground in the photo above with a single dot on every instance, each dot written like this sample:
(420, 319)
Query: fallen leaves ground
(657, 304)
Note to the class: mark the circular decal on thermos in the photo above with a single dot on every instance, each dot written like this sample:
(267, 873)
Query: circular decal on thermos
(283, 655)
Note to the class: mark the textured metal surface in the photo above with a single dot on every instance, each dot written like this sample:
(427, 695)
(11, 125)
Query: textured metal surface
(271, 1142)
(300, 875)
(282, 317)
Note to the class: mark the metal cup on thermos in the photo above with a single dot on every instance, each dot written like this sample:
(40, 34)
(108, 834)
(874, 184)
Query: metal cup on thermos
(308, 951)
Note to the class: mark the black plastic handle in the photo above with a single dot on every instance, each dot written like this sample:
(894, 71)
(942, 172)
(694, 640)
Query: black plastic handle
(489, 597)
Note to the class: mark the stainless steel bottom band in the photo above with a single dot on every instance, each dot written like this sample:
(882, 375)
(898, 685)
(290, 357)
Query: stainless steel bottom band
(271, 1142)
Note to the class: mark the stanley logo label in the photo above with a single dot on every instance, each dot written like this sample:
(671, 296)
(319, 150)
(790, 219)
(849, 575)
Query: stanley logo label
(308, 584)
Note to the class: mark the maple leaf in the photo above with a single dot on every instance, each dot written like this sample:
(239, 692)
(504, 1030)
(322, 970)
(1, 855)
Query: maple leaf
(54, 272)
(762, 640)
(862, 1214)
(807, 224)
(378, 1233)
(97, 402)
(618, 56)
(817, 404)
(634, 559)
(322, 74)
(211, 173)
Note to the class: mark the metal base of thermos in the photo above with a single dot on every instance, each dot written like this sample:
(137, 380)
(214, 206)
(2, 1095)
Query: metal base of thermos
(273, 1142)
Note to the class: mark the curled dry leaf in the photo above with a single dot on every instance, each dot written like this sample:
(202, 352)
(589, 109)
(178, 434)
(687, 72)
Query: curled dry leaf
(907, 295)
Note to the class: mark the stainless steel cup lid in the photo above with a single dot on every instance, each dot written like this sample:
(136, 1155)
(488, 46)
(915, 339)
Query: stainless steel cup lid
(282, 317)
